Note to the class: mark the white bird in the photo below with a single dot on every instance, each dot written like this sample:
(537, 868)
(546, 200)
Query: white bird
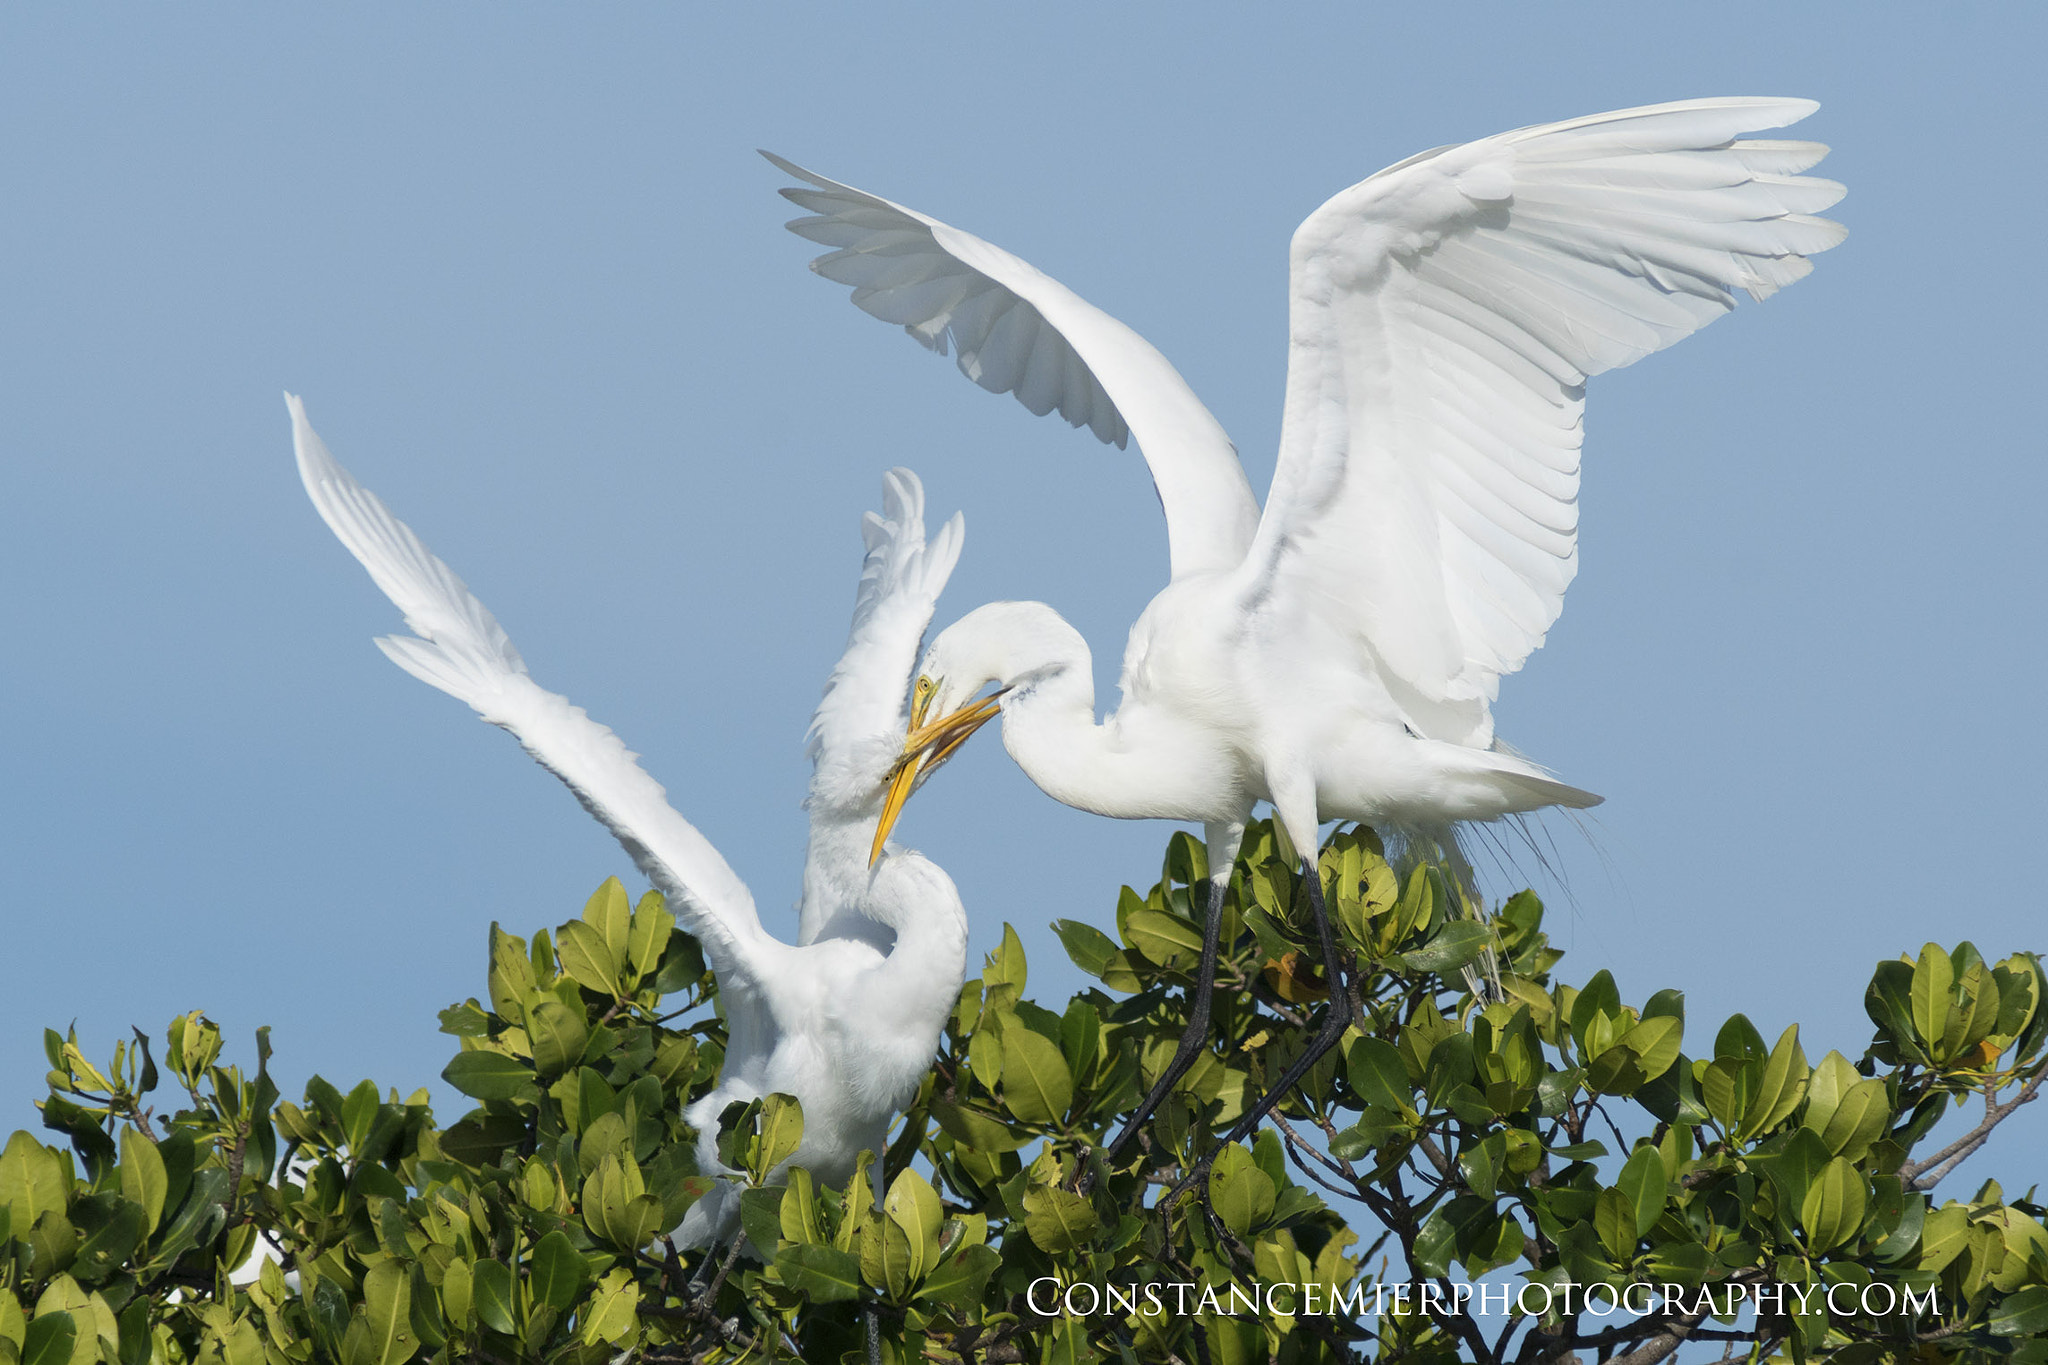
(848, 1018)
(1337, 654)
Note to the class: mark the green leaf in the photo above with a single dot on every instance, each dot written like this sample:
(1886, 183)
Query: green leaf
(32, 1181)
(558, 1034)
(1377, 1075)
(2024, 1314)
(387, 1303)
(799, 1219)
(142, 1176)
(1036, 1085)
(1638, 1056)
(1641, 1182)
(1933, 976)
(491, 1289)
(976, 1130)
(1614, 1222)
(761, 1217)
(821, 1274)
(612, 1314)
(960, 1277)
(653, 922)
(511, 981)
(491, 1076)
(1167, 939)
(557, 1271)
(1241, 1194)
(1781, 1087)
(1006, 965)
(109, 1245)
(458, 1299)
(49, 1339)
(1598, 998)
(608, 912)
(587, 957)
(1090, 949)
(1058, 1220)
(1457, 943)
(913, 1205)
(781, 1129)
(1834, 1205)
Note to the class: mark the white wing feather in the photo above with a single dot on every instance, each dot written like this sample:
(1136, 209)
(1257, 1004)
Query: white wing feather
(857, 731)
(461, 649)
(1016, 330)
(862, 717)
(1445, 316)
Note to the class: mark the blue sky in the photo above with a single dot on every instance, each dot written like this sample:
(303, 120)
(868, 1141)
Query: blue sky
(530, 278)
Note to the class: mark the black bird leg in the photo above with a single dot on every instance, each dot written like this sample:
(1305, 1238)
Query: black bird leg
(1336, 1019)
(1195, 1040)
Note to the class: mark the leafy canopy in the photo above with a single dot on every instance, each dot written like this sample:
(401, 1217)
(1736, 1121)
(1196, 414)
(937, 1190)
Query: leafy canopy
(1553, 1141)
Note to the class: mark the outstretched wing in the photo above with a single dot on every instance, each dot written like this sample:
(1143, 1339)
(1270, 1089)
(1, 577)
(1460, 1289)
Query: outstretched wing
(460, 648)
(1016, 330)
(1446, 314)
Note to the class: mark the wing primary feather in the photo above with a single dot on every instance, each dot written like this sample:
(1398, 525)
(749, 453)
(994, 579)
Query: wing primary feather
(1012, 329)
(460, 649)
(1446, 315)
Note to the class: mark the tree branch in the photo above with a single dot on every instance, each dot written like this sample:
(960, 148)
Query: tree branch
(1925, 1175)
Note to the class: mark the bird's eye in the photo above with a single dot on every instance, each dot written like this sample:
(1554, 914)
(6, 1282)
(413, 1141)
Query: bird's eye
(924, 686)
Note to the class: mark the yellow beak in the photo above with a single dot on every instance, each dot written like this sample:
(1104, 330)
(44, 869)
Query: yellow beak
(924, 749)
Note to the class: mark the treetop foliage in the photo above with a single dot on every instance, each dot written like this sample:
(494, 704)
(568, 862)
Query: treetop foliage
(1462, 1181)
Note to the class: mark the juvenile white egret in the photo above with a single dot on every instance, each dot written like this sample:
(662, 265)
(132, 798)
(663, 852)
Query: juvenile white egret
(1338, 654)
(848, 1018)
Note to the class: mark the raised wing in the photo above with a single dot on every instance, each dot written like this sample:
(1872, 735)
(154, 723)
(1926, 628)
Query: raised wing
(1445, 316)
(857, 731)
(1016, 330)
(461, 649)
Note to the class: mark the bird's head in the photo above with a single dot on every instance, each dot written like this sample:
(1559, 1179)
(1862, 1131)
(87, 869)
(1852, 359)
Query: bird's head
(946, 706)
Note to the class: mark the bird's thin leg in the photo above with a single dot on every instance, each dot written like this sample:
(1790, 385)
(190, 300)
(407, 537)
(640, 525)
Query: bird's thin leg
(1336, 1019)
(1195, 1040)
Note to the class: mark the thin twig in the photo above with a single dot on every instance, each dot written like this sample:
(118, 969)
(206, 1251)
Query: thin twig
(1925, 1175)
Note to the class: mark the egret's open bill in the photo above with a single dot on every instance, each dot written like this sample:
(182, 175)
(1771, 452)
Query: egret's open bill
(925, 747)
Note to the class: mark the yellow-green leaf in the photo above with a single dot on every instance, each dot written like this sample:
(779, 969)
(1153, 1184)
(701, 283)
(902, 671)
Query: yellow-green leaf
(1036, 1085)
(913, 1205)
(142, 1175)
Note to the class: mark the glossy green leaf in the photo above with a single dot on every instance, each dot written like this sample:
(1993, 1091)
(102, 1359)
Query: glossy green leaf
(959, 1276)
(1933, 978)
(609, 912)
(558, 1034)
(491, 1288)
(611, 1315)
(1833, 1207)
(913, 1205)
(1058, 1220)
(557, 1271)
(143, 1178)
(49, 1339)
(387, 1304)
(1036, 1085)
(587, 957)
(821, 1274)
(491, 1076)
(1089, 948)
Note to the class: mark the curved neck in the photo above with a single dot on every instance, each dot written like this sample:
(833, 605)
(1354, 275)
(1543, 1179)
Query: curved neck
(920, 979)
(1138, 764)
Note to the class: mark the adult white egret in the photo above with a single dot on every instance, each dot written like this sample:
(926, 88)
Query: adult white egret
(846, 1019)
(1338, 654)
